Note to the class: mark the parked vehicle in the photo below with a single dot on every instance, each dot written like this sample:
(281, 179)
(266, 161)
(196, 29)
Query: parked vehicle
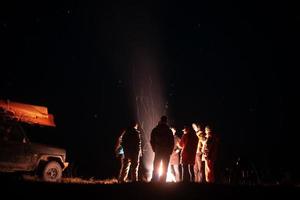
(17, 153)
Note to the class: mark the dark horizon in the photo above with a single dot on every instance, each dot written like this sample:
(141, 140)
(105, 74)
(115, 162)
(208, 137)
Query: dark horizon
(229, 64)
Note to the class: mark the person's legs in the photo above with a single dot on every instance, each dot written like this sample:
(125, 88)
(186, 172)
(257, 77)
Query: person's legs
(191, 172)
(156, 165)
(180, 172)
(142, 176)
(121, 159)
(202, 170)
(134, 169)
(197, 167)
(186, 174)
(172, 170)
(177, 173)
(209, 171)
(125, 170)
(165, 165)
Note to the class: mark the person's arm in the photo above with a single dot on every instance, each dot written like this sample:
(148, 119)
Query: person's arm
(118, 143)
(208, 148)
(177, 148)
(171, 139)
(140, 145)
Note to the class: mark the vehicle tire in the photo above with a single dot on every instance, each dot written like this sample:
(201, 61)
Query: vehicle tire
(52, 172)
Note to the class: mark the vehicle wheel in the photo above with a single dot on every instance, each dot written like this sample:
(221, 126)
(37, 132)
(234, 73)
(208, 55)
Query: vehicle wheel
(52, 172)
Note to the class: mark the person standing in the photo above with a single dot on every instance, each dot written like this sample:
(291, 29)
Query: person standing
(119, 152)
(188, 143)
(199, 163)
(162, 143)
(175, 157)
(210, 150)
(131, 143)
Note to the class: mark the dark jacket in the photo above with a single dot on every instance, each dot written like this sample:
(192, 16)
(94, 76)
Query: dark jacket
(162, 140)
(131, 142)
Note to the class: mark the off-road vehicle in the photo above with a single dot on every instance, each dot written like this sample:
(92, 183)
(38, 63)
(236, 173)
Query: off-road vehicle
(17, 153)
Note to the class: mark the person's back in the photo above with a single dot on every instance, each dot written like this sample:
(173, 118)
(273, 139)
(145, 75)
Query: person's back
(162, 142)
(189, 143)
(211, 147)
(210, 154)
(131, 142)
(162, 139)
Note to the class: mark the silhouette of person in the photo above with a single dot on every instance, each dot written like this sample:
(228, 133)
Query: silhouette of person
(199, 163)
(119, 152)
(131, 143)
(175, 157)
(210, 150)
(162, 143)
(188, 143)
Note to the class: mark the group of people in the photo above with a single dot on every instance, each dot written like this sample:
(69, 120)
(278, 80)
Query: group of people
(190, 158)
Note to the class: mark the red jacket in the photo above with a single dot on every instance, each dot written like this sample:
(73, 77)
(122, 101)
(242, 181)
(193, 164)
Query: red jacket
(189, 143)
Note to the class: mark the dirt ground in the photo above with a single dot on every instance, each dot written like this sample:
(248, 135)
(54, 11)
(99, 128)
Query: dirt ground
(99, 189)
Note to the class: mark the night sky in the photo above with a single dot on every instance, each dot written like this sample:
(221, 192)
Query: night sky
(228, 64)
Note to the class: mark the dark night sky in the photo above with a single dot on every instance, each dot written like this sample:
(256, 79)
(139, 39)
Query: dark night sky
(230, 64)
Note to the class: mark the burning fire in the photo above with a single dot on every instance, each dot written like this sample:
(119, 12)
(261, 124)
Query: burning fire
(170, 176)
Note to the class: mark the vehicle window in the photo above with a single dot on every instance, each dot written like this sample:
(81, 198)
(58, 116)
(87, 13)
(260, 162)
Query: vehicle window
(3, 134)
(11, 133)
